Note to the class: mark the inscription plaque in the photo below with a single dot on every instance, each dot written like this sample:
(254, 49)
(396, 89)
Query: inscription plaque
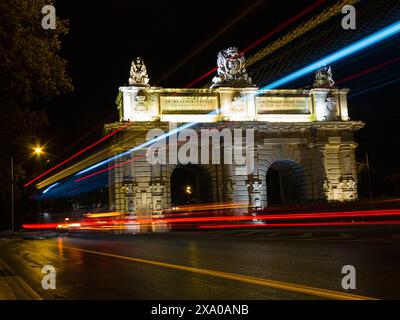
(188, 104)
(280, 104)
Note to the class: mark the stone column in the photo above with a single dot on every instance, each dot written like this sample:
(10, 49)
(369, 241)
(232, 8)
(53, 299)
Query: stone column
(344, 114)
(348, 177)
(157, 188)
(326, 104)
(228, 183)
(254, 187)
(331, 168)
(130, 190)
(339, 170)
(116, 180)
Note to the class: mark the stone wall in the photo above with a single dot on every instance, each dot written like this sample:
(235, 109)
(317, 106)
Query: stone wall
(321, 156)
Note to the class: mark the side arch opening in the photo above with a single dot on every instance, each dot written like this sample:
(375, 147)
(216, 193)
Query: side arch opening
(191, 184)
(285, 183)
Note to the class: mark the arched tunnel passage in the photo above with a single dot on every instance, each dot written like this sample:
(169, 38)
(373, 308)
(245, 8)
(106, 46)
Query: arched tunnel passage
(285, 183)
(190, 184)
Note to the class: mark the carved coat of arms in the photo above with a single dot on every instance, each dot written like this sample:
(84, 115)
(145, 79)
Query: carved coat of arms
(238, 103)
(231, 69)
(140, 103)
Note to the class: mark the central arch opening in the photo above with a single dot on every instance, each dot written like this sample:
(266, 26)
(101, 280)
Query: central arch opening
(190, 184)
(285, 180)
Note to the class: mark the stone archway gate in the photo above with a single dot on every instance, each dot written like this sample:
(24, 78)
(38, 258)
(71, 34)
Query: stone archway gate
(308, 126)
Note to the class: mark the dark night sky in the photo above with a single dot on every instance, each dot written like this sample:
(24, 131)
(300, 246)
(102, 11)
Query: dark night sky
(105, 36)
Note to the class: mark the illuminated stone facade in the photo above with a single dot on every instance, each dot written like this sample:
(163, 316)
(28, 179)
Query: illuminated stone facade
(305, 134)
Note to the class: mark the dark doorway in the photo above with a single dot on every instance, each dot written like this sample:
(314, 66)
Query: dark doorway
(273, 187)
(285, 180)
(190, 184)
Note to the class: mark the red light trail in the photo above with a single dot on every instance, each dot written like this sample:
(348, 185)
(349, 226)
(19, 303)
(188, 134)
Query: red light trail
(243, 13)
(283, 25)
(369, 70)
(108, 168)
(299, 216)
(264, 37)
(191, 84)
(305, 224)
(318, 215)
(126, 162)
(249, 47)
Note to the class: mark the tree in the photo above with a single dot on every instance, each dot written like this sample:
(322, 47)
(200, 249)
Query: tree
(31, 71)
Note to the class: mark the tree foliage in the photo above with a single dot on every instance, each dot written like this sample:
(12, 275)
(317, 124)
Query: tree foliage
(31, 71)
(31, 67)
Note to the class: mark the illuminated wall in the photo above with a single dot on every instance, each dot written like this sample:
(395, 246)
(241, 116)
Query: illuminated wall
(232, 104)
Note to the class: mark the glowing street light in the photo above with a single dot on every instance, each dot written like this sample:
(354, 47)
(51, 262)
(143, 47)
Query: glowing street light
(188, 189)
(37, 151)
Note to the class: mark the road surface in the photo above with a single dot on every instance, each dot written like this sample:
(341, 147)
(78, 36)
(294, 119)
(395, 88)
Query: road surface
(243, 264)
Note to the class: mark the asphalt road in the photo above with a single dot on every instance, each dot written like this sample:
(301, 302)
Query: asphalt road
(209, 265)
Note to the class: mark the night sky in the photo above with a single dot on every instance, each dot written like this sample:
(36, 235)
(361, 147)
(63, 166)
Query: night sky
(106, 35)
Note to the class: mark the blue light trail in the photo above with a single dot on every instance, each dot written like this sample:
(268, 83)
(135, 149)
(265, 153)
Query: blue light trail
(364, 43)
(359, 45)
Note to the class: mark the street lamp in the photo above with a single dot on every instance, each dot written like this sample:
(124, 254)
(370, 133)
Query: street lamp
(37, 151)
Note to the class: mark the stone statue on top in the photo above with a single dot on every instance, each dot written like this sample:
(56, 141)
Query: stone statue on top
(138, 73)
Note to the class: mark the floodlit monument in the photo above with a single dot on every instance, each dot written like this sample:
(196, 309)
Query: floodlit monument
(303, 147)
